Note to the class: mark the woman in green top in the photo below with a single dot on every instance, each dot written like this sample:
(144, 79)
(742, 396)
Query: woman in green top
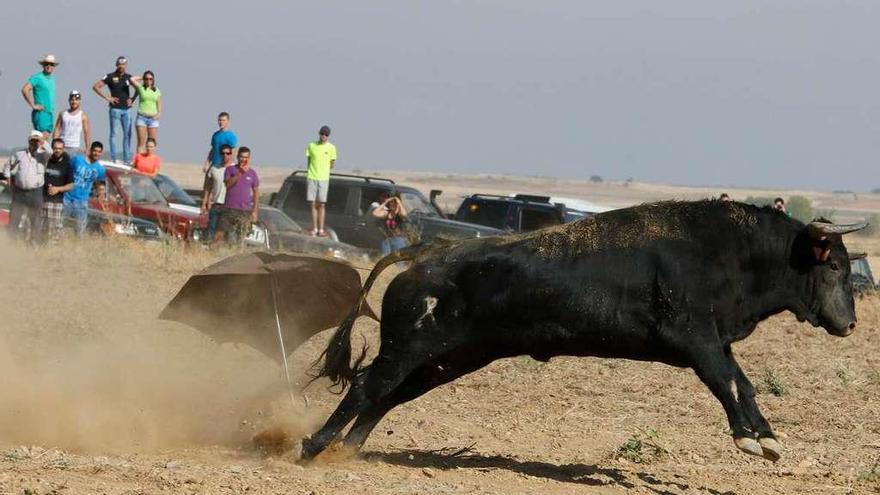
(149, 108)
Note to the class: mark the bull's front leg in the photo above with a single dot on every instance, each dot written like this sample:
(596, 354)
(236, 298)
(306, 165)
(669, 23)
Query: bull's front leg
(745, 393)
(719, 373)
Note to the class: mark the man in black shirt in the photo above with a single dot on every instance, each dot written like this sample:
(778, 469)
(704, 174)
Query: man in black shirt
(59, 179)
(120, 98)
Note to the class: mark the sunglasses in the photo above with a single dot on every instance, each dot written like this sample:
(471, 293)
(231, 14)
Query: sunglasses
(75, 97)
(48, 65)
(225, 152)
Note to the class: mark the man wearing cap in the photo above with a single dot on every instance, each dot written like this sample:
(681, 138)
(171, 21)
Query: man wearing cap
(120, 99)
(321, 156)
(72, 125)
(39, 93)
(25, 171)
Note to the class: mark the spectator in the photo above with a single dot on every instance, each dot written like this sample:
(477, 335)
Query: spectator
(242, 198)
(214, 191)
(148, 162)
(321, 156)
(220, 137)
(779, 204)
(86, 171)
(39, 93)
(120, 99)
(59, 179)
(72, 125)
(724, 197)
(149, 108)
(390, 210)
(25, 172)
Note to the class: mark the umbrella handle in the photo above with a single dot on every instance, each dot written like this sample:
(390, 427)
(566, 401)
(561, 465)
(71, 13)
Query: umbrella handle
(281, 342)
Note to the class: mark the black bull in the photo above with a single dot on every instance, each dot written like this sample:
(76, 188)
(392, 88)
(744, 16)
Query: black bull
(673, 282)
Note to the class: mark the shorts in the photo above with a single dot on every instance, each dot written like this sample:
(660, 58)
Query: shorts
(144, 121)
(317, 190)
(42, 120)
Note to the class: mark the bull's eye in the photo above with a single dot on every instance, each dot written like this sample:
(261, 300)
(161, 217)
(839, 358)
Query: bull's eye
(835, 266)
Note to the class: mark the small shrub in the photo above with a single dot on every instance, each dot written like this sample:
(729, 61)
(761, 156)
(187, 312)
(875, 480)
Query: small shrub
(642, 447)
(772, 383)
(874, 377)
(596, 178)
(843, 375)
(872, 475)
(800, 208)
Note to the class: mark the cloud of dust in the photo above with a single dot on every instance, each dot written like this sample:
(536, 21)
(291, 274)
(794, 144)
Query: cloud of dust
(86, 365)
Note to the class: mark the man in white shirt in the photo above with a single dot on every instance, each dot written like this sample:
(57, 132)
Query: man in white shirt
(72, 126)
(25, 172)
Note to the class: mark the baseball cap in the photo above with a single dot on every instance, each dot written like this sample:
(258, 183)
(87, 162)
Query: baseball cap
(75, 94)
(121, 60)
(324, 130)
(35, 135)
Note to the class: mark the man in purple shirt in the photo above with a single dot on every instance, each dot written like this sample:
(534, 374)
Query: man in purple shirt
(242, 199)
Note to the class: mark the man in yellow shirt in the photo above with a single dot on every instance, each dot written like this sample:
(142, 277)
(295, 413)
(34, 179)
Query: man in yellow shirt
(321, 156)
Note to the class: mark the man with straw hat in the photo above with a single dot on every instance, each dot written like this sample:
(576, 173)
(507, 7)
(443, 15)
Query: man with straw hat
(39, 93)
(25, 172)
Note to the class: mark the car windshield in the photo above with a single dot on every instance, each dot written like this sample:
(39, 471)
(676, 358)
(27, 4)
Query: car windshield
(277, 221)
(415, 202)
(141, 189)
(489, 213)
(172, 192)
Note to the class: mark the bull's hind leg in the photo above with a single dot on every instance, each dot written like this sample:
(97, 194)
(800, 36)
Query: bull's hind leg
(419, 382)
(350, 406)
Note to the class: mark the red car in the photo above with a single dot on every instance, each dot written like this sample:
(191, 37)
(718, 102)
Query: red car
(132, 193)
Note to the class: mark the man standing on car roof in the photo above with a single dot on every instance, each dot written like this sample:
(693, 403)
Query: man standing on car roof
(242, 198)
(86, 171)
(221, 136)
(25, 171)
(59, 180)
(73, 125)
(214, 193)
(120, 99)
(321, 156)
(39, 93)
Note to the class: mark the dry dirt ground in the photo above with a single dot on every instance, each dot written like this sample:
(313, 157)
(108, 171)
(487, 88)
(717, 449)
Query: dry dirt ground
(98, 396)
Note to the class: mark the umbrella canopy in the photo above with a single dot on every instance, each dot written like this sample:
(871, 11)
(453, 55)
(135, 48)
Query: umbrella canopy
(232, 300)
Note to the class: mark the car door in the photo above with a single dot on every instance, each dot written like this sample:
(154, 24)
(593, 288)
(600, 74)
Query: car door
(367, 231)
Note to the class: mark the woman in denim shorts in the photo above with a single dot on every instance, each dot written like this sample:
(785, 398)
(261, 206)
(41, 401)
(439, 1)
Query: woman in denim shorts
(149, 108)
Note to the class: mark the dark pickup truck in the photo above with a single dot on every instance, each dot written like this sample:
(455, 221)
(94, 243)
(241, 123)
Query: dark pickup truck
(519, 213)
(349, 208)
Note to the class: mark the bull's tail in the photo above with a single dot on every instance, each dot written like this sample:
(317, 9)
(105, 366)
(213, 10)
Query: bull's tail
(337, 356)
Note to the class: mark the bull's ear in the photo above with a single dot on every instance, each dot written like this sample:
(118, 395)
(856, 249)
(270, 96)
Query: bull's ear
(857, 256)
(821, 253)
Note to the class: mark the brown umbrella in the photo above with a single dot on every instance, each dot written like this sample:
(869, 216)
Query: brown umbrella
(271, 302)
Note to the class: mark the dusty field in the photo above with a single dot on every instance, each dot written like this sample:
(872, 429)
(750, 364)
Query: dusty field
(98, 396)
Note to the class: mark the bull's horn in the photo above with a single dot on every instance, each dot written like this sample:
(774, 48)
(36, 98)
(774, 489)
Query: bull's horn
(820, 229)
(857, 256)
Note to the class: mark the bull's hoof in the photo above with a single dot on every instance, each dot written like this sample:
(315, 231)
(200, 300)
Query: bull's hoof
(772, 449)
(749, 446)
(309, 451)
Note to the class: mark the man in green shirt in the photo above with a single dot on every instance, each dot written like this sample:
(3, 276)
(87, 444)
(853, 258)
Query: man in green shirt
(321, 156)
(39, 93)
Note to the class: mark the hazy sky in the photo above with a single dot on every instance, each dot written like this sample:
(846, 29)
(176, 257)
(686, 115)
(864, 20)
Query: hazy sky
(764, 93)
